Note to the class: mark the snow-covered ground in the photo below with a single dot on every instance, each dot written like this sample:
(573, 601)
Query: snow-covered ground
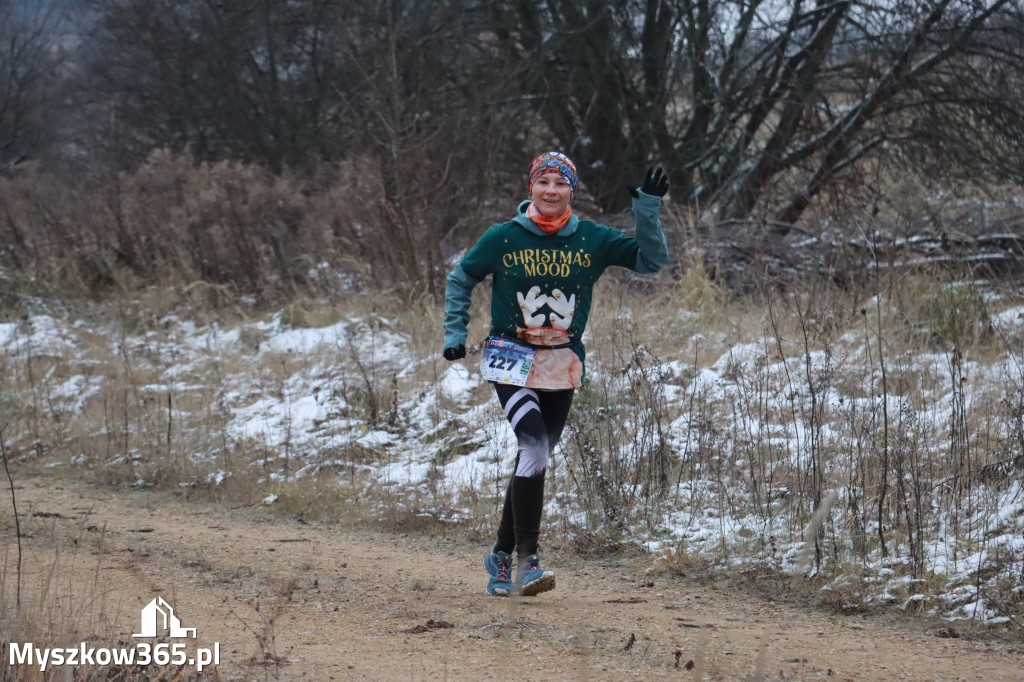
(719, 461)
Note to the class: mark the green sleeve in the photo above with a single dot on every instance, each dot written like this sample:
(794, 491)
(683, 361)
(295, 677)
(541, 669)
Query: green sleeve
(653, 252)
(647, 251)
(458, 294)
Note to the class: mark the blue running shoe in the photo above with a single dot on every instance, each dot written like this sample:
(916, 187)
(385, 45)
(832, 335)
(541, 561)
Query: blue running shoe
(531, 579)
(499, 566)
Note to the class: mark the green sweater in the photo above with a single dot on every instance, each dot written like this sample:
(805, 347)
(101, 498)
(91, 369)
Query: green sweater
(543, 280)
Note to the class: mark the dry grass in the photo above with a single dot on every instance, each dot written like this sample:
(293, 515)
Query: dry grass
(66, 603)
(224, 236)
(704, 409)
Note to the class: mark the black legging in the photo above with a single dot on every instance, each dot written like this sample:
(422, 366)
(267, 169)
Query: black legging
(537, 418)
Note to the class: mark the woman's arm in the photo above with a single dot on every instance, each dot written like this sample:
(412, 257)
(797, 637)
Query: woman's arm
(458, 295)
(653, 252)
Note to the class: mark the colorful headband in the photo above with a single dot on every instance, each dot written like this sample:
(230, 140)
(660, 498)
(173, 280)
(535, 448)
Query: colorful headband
(554, 162)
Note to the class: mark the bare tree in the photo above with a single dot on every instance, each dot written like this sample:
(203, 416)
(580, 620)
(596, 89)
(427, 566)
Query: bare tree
(421, 101)
(31, 56)
(283, 82)
(410, 92)
(756, 104)
(758, 108)
(244, 79)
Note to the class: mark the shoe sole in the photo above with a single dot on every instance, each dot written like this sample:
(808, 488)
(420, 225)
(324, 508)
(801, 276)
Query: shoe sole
(498, 592)
(545, 583)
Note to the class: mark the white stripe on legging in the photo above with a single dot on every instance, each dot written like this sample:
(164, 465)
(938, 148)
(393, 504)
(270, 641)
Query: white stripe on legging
(532, 403)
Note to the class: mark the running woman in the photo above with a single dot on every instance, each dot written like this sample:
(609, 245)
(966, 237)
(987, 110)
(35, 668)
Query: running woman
(544, 263)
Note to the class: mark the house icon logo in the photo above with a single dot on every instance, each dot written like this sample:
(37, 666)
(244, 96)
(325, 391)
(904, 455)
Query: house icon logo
(158, 617)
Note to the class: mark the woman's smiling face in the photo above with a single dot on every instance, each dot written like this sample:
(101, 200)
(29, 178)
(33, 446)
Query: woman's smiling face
(550, 194)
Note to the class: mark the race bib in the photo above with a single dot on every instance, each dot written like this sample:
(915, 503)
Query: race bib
(506, 361)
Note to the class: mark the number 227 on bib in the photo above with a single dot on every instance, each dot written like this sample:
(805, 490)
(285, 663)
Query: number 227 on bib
(506, 361)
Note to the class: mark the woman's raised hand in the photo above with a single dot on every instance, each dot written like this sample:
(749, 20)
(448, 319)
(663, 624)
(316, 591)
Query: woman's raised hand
(655, 183)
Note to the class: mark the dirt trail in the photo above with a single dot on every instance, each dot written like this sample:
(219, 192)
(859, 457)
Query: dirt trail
(330, 604)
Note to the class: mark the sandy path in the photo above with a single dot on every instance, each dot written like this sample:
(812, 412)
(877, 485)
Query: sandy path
(331, 604)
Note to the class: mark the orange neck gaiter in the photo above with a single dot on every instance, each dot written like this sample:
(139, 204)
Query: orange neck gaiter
(549, 225)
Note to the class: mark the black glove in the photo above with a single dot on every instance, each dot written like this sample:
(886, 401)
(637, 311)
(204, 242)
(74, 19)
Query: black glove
(655, 184)
(452, 354)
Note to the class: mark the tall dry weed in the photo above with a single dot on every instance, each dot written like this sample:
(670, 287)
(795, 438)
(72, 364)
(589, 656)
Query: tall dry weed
(234, 230)
(717, 424)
